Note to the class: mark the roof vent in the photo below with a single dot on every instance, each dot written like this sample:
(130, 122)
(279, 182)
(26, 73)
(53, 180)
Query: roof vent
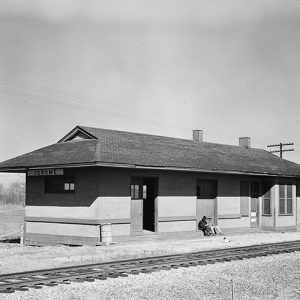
(244, 142)
(198, 136)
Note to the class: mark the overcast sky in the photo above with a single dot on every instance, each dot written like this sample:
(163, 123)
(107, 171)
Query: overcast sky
(231, 68)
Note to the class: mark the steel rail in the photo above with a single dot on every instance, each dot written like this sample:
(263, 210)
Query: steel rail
(50, 277)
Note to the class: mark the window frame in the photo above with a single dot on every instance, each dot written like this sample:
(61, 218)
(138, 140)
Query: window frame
(135, 191)
(65, 180)
(285, 199)
(138, 189)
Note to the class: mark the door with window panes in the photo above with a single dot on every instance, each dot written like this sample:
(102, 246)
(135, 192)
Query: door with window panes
(138, 193)
(143, 193)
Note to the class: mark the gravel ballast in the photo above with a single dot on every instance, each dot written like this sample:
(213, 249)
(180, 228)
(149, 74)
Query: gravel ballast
(15, 258)
(272, 277)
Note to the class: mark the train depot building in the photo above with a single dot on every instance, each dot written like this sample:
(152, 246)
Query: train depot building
(145, 184)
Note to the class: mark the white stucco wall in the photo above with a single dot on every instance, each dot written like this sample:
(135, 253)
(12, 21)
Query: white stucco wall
(113, 207)
(120, 229)
(79, 212)
(229, 205)
(176, 226)
(101, 208)
(234, 223)
(63, 229)
(173, 206)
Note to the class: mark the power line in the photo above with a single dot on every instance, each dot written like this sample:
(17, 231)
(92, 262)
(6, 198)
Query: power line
(43, 95)
(49, 96)
(281, 150)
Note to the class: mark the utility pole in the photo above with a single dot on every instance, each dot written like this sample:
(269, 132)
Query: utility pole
(281, 150)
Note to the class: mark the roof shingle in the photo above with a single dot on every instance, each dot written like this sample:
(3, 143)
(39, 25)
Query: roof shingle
(135, 149)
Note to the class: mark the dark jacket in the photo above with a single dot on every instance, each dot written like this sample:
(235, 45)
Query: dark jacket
(202, 224)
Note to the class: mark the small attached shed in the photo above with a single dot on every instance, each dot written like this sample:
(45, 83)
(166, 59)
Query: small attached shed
(145, 184)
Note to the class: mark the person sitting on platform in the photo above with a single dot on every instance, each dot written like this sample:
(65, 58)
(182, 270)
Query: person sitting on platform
(213, 229)
(203, 226)
(207, 227)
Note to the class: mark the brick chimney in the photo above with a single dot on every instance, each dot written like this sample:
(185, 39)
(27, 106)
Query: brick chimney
(244, 142)
(198, 136)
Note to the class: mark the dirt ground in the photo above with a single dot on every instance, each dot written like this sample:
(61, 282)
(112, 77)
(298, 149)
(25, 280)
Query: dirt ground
(17, 258)
(274, 277)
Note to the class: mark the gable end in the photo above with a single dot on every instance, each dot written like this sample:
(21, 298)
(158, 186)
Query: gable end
(77, 134)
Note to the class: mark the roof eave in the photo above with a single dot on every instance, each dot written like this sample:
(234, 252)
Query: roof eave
(133, 166)
(14, 170)
(216, 171)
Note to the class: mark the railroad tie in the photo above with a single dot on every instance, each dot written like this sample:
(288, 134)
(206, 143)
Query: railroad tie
(50, 284)
(76, 279)
(145, 270)
(35, 286)
(9, 283)
(133, 272)
(7, 291)
(21, 288)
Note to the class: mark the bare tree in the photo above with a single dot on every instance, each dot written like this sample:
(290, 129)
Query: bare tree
(2, 194)
(15, 193)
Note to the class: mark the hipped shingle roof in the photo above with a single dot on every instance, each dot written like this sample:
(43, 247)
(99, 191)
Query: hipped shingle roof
(134, 149)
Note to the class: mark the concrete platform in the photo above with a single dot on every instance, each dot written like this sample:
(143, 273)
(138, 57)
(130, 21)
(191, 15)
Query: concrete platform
(178, 236)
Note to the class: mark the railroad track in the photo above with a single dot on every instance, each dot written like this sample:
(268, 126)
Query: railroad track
(10, 283)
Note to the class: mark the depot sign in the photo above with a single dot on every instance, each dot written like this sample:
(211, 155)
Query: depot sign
(46, 172)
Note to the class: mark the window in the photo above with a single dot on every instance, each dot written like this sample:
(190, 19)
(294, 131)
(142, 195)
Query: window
(244, 194)
(69, 186)
(206, 189)
(59, 185)
(134, 188)
(144, 192)
(266, 191)
(137, 192)
(285, 199)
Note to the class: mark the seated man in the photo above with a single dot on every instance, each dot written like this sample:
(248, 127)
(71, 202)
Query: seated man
(207, 227)
(203, 226)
